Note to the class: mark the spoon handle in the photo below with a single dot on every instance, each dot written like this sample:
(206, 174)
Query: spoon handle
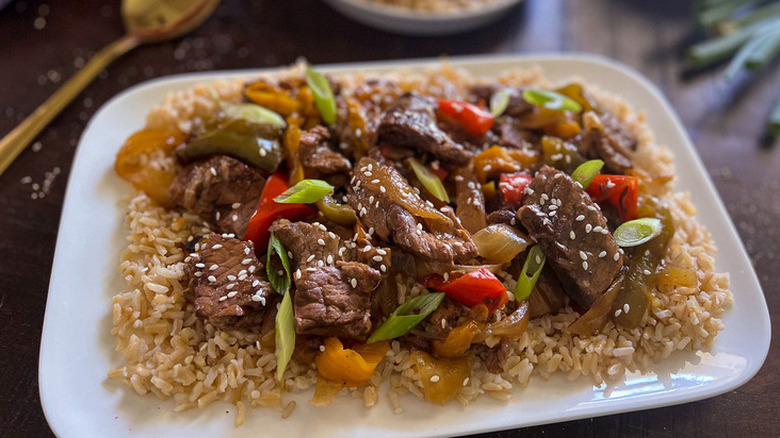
(15, 141)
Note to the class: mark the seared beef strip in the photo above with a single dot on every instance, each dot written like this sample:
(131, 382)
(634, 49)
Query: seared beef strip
(573, 234)
(502, 216)
(606, 138)
(227, 281)
(470, 201)
(361, 113)
(221, 190)
(317, 158)
(411, 122)
(443, 239)
(510, 134)
(332, 296)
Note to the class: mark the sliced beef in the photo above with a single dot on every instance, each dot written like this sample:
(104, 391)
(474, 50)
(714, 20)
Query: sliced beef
(470, 201)
(496, 357)
(411, 122)
(221, 190)
(606, 138)
(373, 193)
(332, 296)
(227, 282)
(512, 135)
(573, 234)
(318, 160)
(438, 325)
(502, 216)
(516, 107)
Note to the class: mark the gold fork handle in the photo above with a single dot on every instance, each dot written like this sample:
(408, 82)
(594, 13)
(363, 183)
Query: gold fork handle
(14, 143)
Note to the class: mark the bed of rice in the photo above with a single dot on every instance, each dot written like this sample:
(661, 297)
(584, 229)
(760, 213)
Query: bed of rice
(169, 352)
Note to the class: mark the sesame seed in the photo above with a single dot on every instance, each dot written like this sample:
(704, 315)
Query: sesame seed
(617, 256)
(626, 308)
(353, 282)
(545, 197)
(618, 312)
(367, 248)
(512, 221)
(217, 246)
(585, 265)
(538, 260)
(377, 258)
(465, 381)
(367, 173)
(602, 254)
(446, 276)
(322, 348)
(553, 207)
(330, 259)
(374, 181)
(322, 227)
(230, 286)
(383, 268)
(646, 272)
(321, 242)
(458, 178)
(231, 277)
(198, 274)
(311, 257)
(256, 283)
(256, 298)
(247, 261)
(588, 228)
(252, 268)
(234, 217)
(217, 215)
(235, 205)
(382, 189)
(213, 171)
(200, 265)
(597, 229)
(552, 213)
(298, 274)
(583, 255)
(222, 298)
(289, 254)
(371, 199)
(370, 230)
(434, 378)
(232, 294)
(419, 226)
(580, 218)
(487, 168)
(247, 251)
(212, 279)
(363, 211)
(572, 236)
(381, 251)
(320, 263)
(242, 276)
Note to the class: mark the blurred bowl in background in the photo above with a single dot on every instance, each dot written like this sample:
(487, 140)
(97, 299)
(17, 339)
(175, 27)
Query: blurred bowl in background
(407, 21)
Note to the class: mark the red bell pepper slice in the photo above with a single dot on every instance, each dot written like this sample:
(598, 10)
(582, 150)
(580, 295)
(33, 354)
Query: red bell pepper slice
(471, 289)
(620, 190)
(268, 211)
(512, 187)
(474, 120)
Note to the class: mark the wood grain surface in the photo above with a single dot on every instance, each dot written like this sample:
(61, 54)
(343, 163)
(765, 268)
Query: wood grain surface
(43, 42)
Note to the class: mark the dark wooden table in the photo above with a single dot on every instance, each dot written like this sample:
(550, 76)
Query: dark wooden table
(43, 42)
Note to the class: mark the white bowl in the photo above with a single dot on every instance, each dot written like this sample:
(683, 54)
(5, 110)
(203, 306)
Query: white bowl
(408, 22)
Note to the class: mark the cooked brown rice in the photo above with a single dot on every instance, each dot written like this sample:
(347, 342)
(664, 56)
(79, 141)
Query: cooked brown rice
(172, 354)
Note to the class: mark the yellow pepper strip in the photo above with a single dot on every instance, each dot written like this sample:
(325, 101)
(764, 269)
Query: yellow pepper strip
(442, 379)
(565, 129)
(291, 142)
(272, 98)
(352, 367)
(496, 160)
(325, 391)
(133, 156)
(458, 340)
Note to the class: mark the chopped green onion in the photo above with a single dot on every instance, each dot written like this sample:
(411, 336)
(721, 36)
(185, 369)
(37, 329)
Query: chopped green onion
(280, 283)
(637, 231)
(285, 335)
(531, 269)
(499, 101)
(307, 191)
(585, 172)
(323, 95)
(406, 316)
(254, 113)
(429, 180)
(551, 100)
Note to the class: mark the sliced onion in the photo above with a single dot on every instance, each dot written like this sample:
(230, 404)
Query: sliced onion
(429, 180)
(500, 243)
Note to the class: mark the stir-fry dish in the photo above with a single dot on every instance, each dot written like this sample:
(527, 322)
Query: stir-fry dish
(429, 234)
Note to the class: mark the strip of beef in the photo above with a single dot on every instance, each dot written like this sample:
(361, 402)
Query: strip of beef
(227, 281)
(502, 216)
(318, 160)
(332, 296)
(376, 193)
(572, 233)
(510, 134)
(437, 326)
(606, 138)
(470, 201)
(221, 190)
(411, 122)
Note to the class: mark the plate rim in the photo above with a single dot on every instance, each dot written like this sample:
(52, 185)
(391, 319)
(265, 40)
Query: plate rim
(689, 395)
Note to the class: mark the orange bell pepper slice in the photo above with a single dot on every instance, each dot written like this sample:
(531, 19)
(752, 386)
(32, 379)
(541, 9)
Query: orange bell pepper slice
(350, 366)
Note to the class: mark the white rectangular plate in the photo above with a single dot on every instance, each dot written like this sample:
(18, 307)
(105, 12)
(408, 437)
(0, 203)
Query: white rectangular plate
(77, 349)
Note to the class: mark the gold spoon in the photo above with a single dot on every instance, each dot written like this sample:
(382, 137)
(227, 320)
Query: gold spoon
(146, 21)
